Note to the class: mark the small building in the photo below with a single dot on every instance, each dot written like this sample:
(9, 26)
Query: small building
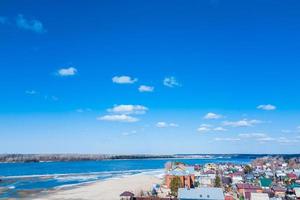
(186, 175)
(259, 196)
(210, 166)
(205, 180)
(249, 177)
(246, 187)
(292, 176)
(227, 181)
(200, 194)
(297, 192)
(265, 183)
(278, 191)
(126, 195)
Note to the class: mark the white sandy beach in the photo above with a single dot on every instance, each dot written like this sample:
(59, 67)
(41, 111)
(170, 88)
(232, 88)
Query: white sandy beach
(105, 190)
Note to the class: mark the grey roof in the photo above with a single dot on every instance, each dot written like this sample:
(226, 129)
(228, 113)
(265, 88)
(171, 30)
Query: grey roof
(200, 194)
(181, 172)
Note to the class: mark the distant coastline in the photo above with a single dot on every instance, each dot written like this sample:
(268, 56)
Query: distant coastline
(26, 158)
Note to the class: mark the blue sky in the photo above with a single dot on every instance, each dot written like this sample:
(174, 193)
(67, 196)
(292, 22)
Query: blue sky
(207, 76)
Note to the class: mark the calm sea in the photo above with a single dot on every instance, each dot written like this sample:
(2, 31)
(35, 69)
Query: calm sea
(22, 178)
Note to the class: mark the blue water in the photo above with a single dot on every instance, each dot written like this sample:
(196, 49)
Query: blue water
(18, 177)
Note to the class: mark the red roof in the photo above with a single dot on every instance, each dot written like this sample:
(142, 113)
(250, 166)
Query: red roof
(210, 172)
(247, 186)
(229, 197)
(292, 176)
(247, 195)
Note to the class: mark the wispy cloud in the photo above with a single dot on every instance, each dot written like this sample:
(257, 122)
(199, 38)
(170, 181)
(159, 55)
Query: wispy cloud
(286, 131)
(129, 133)
(267, 107)
(128, 109)
(211, 115)
(242, 123)
(203, 128)
(121, 113)
(145, 88)
(165, 125)
(30, 92)
(124, 80)
(71, 71)
(266, 139)
(171, 82)
(284, 140)
(220, 129)
(51, 98)
(227, 139)
(252, 135)
(118, 118)
(81, 110)
(31, 25)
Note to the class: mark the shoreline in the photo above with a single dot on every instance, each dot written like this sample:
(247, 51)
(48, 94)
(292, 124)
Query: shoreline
(138, 171)
(103, 189)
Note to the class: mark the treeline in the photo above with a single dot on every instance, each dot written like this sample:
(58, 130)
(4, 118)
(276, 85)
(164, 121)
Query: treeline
(9, 158)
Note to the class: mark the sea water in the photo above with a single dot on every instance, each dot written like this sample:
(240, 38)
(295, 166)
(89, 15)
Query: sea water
(26, 178)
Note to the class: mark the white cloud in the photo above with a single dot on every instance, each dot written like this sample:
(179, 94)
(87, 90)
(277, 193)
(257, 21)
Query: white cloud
(227, 139)
(252, 135)
(211, 115)
(266, 139)
(171, 82)
(219, 129)
(263, 138)
(241, 123)
(71, 71)
(205, 125)
(165, 125)
(266, 107)
(31, 25)
(118, 118)
(30, 92)
(129, 109)
(129, 133)
(284, 140)
(286, 131)
(124, 80)
(207, 128)
(145, 88)
(203, 129)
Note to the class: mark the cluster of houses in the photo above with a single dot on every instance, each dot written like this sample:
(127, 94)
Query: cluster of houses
(265, 178)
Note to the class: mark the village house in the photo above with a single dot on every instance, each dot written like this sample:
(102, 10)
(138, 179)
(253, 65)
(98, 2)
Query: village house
(185, 173)
(245, 189)
(278, 191)
(265, 183)
(259, 196)
(237, 177)
(210, 167)
(204, 180)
